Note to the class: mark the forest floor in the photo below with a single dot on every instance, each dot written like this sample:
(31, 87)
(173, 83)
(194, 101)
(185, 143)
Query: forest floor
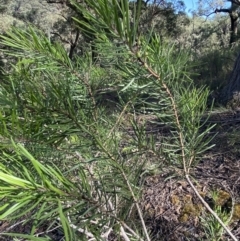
(172, 210)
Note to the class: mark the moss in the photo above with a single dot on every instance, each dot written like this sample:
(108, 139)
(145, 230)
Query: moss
(187, 208)
(222, 198)
(236, 212)
(175, 200)
(187, 199)
(190, 210)
(184, 218)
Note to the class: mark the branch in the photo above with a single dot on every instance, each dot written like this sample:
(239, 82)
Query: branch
(73, 44)
(182, 147)
(222, 10)
(61, 38)
(210, 210)
(54, 1)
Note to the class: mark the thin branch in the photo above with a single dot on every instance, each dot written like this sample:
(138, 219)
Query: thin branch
(237, 2)
(131, 231)
(122, 231)
(123, 234)
(73, 44)
(118, 120)
(14, 225)
(61, 38)
(222, 10)
(130, 189)
(182, 146)
(153, 73)
(48, 231)
(207, 15)
(137, 206)
(55, 1)
(209, 209)
(217, 11)
(83, 231)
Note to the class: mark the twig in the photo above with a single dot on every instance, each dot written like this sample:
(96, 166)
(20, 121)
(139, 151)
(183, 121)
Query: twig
(81, 230)
(153, 73)
(123, 234)
(48, 231)
(130, 230)
(209, 209)
(131, 191)
(118, 120)
(14, 225)
(186, 170)
(137, 206)
(122, 231)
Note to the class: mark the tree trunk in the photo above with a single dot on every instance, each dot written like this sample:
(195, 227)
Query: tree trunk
(234, 26)
(233, 14)
(230, 95)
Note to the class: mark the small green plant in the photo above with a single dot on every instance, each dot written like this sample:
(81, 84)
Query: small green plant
(213, 230)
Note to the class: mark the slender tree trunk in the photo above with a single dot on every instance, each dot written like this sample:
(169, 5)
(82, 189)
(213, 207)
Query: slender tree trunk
(234, 25)
(230, 95)
(234, 22)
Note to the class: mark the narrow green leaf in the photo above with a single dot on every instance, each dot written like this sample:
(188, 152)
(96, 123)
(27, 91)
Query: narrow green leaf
(13, 208)
(26, 237)
(65, 224)
(15, 181)
(128, 85)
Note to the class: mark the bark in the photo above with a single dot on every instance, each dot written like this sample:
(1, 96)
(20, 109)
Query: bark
(73, 45)
(234, 22)
(230, 95)
(234, 25)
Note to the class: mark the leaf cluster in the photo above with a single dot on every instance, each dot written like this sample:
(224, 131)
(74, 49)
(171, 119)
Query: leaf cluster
(66, 158)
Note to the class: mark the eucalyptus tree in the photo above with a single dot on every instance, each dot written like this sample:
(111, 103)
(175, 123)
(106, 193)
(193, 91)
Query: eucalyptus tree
(229, 94)
(217, 6)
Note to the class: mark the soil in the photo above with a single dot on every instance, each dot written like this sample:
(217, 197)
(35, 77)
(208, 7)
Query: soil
(171, 208)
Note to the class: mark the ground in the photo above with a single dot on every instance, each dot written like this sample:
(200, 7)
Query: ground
(171, 208)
